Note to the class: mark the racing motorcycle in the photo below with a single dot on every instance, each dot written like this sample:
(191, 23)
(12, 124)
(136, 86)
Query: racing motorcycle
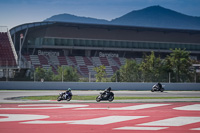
(62, 97)
(157, 88)
(105, 96)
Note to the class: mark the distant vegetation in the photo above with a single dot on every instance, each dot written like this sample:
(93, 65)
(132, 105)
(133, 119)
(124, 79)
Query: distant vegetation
(176, 67)
(66, 73)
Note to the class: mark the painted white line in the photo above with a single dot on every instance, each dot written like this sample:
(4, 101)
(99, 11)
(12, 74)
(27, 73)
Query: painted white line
(46, 106)
(45, 122)
(195, 129)
(90, 108)
(135, 107)
(106, 120)
(194, 107)
(141, 128)
(95, 121)
(21, 117)
(177, 121)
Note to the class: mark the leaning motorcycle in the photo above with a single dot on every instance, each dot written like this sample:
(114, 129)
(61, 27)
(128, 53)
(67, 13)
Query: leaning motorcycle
(156, 88)
(62, 97)
(105, 97)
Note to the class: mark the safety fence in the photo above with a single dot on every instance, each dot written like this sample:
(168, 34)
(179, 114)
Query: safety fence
(95, 86)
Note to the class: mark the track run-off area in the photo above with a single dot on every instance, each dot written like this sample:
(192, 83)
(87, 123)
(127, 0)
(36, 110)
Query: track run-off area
(165, 117)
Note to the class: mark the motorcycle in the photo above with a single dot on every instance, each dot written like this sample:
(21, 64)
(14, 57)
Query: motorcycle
(105, 96)
(62, 97)
(156, 88)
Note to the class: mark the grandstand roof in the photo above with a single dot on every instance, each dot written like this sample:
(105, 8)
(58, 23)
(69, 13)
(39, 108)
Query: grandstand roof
(65, 35)
(104, 26)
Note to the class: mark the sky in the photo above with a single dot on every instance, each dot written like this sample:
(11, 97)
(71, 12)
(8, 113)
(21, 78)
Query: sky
(16, 12)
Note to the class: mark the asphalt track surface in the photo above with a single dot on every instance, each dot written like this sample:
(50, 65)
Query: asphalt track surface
(170, 117)
(10, 96)
(119, 116)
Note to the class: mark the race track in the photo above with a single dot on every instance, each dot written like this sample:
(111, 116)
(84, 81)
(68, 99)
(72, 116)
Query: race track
(7, 96)
(181, 117)
(119, 116)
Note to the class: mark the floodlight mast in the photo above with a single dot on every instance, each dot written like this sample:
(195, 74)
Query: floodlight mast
(20, 49)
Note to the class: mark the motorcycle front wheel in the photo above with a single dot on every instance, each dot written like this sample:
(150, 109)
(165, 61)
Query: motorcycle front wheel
(111, 98)
(161, 90)
(59, 98)
(98, 99)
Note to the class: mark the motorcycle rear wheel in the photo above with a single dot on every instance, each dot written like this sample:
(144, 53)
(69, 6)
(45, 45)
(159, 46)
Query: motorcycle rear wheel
(69, 98)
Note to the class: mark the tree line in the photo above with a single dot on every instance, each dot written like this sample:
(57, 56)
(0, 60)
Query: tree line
(175, 67)
(66, 73)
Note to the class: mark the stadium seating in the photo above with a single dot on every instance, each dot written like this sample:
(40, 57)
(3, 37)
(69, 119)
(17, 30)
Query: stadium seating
(114, 68)
(87, 61)
(84, 65)
(73, 60)
(62, 60)
(104, 61)
(43, 60)
(84, 70)
(117, 60)
(7, 57)
(35, 60)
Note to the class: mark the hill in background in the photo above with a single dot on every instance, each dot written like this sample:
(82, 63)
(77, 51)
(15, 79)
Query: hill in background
(154, 16)
(78, 19)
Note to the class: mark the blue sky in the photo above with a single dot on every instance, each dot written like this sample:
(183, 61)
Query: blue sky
(16, 12)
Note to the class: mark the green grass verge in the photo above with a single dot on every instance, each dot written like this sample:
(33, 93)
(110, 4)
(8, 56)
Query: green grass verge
(94, 97)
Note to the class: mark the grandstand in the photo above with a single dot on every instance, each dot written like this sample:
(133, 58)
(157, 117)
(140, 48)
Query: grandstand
(85, 46)
(8, 56)
(84, 65)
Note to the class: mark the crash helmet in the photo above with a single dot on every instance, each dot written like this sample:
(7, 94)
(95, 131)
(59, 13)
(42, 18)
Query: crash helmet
(109, 89)
(69, 89)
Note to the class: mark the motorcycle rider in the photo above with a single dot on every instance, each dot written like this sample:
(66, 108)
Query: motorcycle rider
(106, 95)
(68, 93)
(159, 85)
(107, 91)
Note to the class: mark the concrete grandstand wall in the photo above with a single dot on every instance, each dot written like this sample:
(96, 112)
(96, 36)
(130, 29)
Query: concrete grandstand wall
(95, 86)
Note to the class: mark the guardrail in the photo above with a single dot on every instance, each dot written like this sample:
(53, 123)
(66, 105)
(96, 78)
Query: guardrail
(13, 85)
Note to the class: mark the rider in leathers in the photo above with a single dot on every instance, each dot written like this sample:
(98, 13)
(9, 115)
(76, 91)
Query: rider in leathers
(159, 85)
(107, 91)
(68, 93)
